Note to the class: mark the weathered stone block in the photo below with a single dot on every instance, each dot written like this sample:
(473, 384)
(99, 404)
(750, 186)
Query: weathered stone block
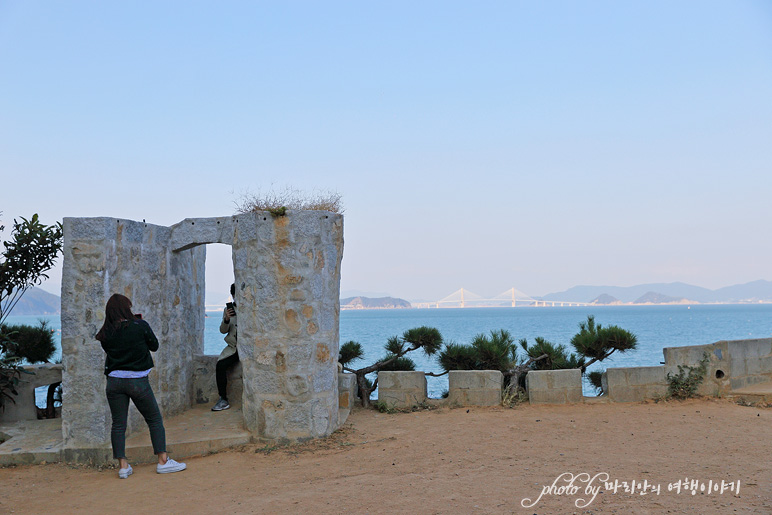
(347, 390)
(475, 379)
(475, 387)
(554, 386)
(402, 389)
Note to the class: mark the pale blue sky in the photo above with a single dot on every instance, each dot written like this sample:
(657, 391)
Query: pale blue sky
(478, 144)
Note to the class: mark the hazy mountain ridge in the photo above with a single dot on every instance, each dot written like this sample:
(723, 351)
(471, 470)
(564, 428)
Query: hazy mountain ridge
(755, 291)
(657, 298)
(37, 302)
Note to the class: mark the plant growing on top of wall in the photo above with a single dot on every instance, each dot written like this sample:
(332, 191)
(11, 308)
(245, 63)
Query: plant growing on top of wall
(428, 339)
(685, 383)
(278, 202)
(26, 258)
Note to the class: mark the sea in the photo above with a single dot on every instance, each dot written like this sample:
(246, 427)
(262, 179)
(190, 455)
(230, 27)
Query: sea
(656, 327)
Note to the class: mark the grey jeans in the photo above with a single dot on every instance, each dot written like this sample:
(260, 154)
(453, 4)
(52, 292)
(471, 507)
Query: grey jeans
(119, 391)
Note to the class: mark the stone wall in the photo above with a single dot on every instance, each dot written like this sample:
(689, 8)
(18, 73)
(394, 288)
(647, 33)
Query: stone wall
(103, 256)
(347, 395)
(205, 385)
(24, 407)
(347, 391)
(287, 272)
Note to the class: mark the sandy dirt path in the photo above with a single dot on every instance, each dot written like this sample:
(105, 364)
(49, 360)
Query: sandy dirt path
(476, 460)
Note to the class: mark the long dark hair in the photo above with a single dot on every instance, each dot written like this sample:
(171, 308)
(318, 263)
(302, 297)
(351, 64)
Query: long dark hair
(118, 309)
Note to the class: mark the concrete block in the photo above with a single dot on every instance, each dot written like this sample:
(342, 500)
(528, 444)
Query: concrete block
(634, 384)
(402, 389)
(633, 376)
(554, 386)
(475, 379)
(475, 387)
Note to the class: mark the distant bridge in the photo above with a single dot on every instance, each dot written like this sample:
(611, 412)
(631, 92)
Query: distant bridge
(511, 298)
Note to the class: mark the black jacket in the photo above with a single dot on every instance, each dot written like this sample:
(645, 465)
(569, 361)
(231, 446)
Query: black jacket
(128, 348)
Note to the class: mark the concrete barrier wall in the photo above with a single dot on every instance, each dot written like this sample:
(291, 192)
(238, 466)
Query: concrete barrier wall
(25, 408)
(717, 377)
(475, 387)
(731, 365)
(751, 362)
(402, 389)
(554, 386)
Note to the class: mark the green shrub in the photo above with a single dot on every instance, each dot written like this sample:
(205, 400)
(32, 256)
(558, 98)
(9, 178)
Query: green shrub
(685, 383)
(33, 344)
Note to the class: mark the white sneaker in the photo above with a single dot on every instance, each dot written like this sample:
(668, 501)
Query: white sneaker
(170, 466)
(124, 473)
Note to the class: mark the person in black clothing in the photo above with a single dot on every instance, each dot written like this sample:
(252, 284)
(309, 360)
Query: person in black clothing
(128, 341)
(229, 355)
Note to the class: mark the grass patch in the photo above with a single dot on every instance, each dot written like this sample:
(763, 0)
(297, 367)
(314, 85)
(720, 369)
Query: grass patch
(279, 202)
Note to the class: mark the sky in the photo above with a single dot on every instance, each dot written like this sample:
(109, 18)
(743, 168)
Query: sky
(484, 145)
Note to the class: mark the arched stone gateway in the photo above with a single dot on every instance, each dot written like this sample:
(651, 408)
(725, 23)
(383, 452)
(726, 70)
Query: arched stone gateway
(287, 274)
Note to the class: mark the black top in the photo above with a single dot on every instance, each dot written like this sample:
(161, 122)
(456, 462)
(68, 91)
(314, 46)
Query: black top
(128, 348)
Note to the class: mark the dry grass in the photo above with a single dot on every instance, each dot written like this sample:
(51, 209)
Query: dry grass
(290, 199)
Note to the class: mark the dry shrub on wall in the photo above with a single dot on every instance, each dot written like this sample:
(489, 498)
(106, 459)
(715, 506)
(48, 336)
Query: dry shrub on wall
(278, 202)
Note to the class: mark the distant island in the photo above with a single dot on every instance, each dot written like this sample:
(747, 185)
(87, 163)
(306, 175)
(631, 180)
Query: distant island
(370, 303)
(649, 298)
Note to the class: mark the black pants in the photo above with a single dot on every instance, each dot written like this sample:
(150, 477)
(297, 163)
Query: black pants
(221, 373)
(119, 391)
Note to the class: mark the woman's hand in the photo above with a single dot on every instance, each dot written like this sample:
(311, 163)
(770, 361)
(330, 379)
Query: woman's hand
(229, 313)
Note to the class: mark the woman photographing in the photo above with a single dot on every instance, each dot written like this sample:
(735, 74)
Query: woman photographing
(128, 341)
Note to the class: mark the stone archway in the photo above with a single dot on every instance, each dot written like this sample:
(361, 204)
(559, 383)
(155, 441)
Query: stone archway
(289, 266)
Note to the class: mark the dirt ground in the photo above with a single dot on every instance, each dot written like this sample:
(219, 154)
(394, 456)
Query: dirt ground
(476, 460)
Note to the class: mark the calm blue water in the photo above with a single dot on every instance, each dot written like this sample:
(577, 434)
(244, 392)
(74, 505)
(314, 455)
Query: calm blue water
(656, 327)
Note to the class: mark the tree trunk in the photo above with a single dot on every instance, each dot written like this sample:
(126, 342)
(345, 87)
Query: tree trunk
(364, 390)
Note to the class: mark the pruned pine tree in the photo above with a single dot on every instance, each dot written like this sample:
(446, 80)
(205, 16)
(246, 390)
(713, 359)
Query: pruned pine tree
(597, 343)
(497, 351)
(428, 339)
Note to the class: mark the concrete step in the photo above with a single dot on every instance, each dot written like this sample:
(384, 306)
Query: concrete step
(757, 393)
(195, 432)
(31, 441)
